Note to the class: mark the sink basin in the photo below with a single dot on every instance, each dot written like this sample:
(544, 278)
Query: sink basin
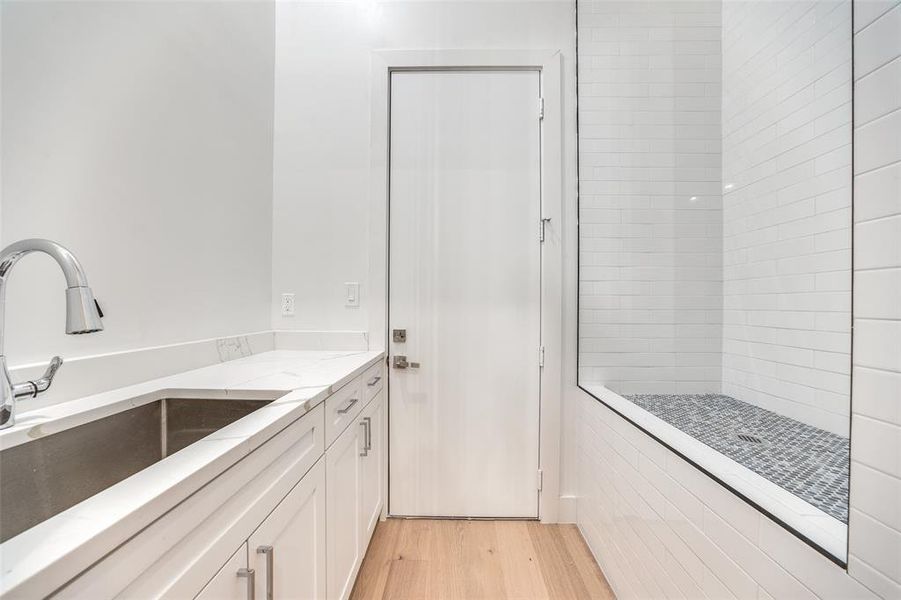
(42, 478)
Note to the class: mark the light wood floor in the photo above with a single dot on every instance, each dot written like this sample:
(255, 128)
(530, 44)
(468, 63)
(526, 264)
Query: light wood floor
(412, 559)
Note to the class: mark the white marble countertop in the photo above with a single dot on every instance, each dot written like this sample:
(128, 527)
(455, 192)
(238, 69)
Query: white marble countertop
(43, 558)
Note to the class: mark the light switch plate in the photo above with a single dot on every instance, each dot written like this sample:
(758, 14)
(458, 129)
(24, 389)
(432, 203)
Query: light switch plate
(352, 294)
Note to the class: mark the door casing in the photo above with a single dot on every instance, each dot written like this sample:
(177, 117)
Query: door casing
(548, 63)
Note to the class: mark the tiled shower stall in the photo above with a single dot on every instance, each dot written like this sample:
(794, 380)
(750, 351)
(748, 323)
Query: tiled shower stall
(716, 175)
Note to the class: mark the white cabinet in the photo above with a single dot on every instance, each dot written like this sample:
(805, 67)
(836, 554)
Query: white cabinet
(232, 580)
(287, 551)
(293, 518)
(354, 486)
(342, 470)
(175, 556)
(371, 467)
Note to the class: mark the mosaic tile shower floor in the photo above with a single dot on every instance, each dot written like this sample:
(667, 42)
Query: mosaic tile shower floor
(808, 462)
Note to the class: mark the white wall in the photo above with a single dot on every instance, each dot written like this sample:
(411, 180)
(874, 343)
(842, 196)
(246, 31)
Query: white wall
(138, 134)
(787, 208)
(650, 305)
(321, 236)
(660, 527)
(875, 520)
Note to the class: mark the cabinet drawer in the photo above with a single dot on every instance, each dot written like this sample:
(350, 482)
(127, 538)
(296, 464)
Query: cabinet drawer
(341, 408)
(372, 381)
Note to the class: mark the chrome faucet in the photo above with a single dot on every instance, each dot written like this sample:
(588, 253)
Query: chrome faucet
(82, 316)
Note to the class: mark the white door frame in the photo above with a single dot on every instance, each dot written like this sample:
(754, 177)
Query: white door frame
(548, 63)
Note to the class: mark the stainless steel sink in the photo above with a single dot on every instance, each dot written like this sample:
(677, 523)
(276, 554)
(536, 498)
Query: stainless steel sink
(44, 477)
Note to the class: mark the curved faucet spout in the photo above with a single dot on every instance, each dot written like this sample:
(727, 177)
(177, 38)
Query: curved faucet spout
(82, 312)
(72, 270)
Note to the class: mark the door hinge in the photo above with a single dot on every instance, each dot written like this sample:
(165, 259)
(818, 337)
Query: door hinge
(540, 480)
(541, 356)
(540, 108)
(542, 227)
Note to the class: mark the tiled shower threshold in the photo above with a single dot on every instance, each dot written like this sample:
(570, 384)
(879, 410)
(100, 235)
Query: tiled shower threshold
(717, 440)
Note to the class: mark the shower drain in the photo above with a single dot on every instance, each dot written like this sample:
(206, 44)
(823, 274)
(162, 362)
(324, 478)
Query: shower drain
(746, 437)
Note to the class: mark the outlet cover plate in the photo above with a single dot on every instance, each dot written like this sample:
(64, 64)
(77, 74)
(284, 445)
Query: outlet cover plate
(287, 305)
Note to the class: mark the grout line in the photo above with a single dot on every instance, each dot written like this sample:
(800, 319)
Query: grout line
(867, 417)
(887, 115)
(875, 469)
(877, 219)
(882, 14)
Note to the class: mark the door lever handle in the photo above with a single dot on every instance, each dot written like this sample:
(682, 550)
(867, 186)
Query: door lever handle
(400, 362)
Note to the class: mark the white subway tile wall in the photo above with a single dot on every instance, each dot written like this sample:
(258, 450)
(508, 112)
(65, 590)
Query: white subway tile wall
(661, 528)
(875, 520)
(650, 304)
(787, 208)
(658, 526)
(684, 289)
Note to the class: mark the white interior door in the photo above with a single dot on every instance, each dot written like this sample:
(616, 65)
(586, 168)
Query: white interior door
(465, 282)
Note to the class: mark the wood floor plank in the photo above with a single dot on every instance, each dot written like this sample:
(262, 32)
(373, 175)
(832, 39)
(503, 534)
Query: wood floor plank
(374, 571)
(522, 573)
(589, 571)
(414, 539)
(407, 580)
(447, 571)
(558, 568)
(416, 559)
(484, 572)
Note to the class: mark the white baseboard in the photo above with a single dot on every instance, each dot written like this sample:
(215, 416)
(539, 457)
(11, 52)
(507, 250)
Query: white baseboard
(568, 509)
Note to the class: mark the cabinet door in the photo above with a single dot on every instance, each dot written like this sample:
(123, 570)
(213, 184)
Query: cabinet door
(287, 551)
(371, 468)
(342, 472)
(232, 580)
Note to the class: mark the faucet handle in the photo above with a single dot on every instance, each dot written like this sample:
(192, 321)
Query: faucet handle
(34, 387)
(55, 363)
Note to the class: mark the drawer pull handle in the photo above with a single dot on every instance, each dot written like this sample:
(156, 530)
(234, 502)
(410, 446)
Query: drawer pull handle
(270, 559)
(374, 380)
(365, 424)
(251, 583)
(367, 435)
(346, 409)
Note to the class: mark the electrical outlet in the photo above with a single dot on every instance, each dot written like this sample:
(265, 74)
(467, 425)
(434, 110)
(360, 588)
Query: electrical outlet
(352, 294)
(287, 305)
